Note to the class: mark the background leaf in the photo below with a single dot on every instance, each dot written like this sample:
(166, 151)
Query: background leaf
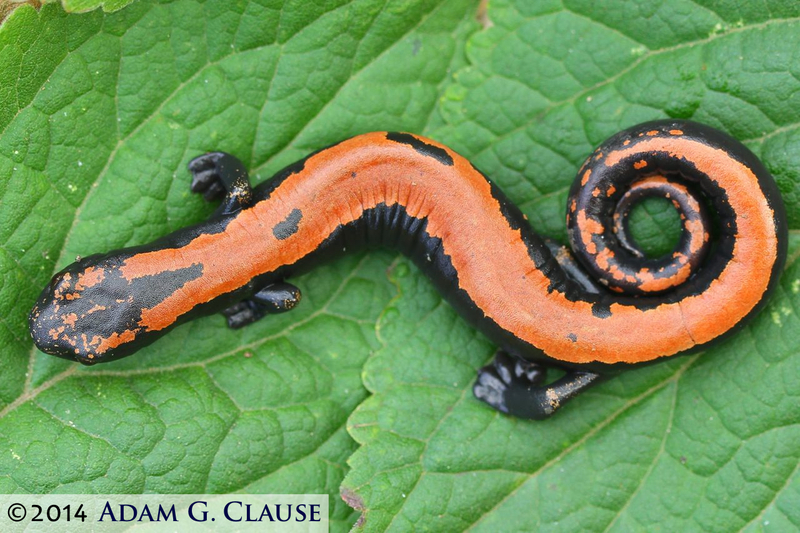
(99, 115)
(706, 442)
(80, 6)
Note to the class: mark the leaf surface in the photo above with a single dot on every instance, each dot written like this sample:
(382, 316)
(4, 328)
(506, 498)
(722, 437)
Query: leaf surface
(707, 442)
(80, 6)
(99, 115)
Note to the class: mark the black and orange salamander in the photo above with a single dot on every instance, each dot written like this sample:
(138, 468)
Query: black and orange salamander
(613, 308)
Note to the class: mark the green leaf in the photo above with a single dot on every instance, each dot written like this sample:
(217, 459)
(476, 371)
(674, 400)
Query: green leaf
(99, 114)
(707, 442)
(80, 6)
(76, 6)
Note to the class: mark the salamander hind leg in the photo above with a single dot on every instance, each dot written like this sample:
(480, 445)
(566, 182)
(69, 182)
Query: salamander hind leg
(219, 174)
(272, 299)
(515, 386)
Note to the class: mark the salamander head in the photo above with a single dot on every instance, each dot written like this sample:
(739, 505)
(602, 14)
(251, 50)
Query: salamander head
(85, 312)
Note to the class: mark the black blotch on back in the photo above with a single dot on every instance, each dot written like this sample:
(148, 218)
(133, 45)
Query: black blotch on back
(422, 147)
(601, 310)
(287, 228)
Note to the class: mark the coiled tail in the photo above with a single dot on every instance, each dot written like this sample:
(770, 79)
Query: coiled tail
(734, 233)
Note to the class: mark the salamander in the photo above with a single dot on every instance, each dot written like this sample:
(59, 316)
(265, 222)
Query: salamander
(591, 314)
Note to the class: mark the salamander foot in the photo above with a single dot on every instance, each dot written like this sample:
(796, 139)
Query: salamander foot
(515, 386)
(272, 299)
(219, 174)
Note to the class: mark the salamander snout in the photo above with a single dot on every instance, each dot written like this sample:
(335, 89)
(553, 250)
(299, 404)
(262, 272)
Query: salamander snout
(49, 320)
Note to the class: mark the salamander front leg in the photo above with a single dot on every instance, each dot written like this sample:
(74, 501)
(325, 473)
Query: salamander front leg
(218, 174)
(272, 299)
(514, 386)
